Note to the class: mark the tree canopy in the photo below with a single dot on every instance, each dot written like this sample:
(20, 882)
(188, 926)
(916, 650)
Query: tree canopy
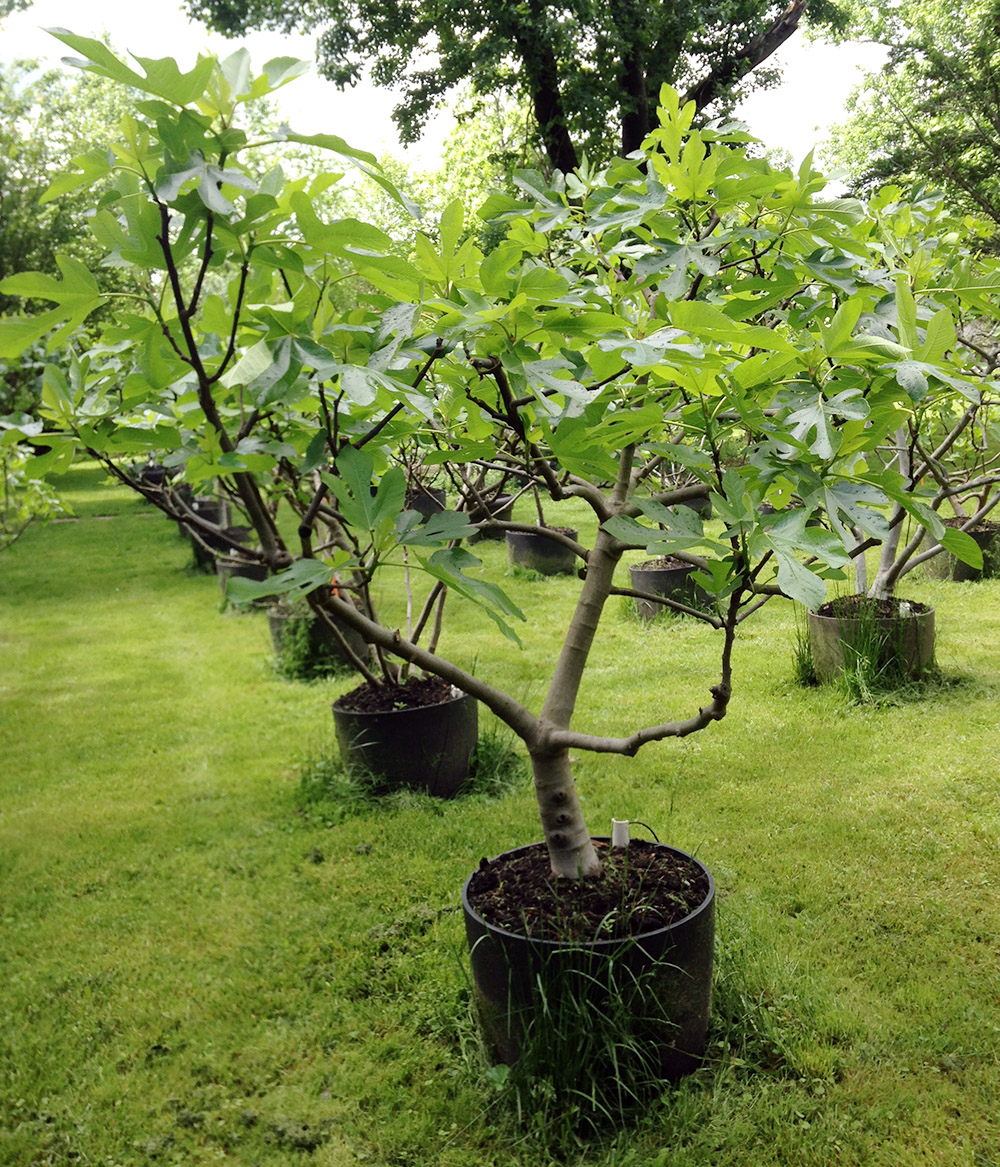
(933, 112)
(590, 69)
(691, 308)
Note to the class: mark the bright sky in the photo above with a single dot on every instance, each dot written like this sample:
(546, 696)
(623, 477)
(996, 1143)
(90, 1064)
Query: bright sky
(817, 78)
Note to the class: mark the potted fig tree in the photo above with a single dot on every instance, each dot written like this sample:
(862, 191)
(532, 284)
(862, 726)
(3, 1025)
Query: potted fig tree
(939, 450)
(692, 306)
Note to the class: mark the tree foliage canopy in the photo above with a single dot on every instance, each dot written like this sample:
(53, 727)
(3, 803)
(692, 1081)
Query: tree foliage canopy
(694, 307)
(933, 112)
(591, 69)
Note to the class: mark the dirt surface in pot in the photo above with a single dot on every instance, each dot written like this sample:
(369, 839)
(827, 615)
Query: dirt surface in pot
(561, 530)
(851, 607)
(985, 527)
(239, 561)
(661, 563)
(641, 888)
(415, 694)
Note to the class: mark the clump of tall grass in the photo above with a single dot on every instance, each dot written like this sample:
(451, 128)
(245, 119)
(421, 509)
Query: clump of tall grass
(874, 671)
(590, 1049)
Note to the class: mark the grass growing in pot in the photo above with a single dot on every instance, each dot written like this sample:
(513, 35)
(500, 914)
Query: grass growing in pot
(881, 642)
(587, 1063)
(873, 659)
(299, 659)
(302, 653)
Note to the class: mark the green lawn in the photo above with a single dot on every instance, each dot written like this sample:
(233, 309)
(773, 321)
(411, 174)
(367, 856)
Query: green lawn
(196, 966)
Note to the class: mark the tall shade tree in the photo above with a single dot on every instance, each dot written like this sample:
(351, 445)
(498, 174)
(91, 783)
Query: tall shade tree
(591, 69)
(933, 112)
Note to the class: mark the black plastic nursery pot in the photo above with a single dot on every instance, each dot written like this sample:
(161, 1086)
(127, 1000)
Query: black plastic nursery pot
(944, 565)
(183, 498)
(537, 551)
(207, 545)
(428, 747)
(152, 474)
(426, 500)
(667, 577)
(701, 505)
(212, 510)
(500, 508)
(322, 639)
(672, 965)
(228, 567)
(903, 634)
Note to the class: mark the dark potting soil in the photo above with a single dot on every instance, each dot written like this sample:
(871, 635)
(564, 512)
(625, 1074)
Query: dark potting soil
(415, 694)
(985, 527)
(662, 563)
(641, 888)
(851, 607)
(560, 530)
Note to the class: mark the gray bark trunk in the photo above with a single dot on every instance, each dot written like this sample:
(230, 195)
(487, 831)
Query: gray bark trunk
(885, 577)
(571, 852)
(566, 833)
(860, 566)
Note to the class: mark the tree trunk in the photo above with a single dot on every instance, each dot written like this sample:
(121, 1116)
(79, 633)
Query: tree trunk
(885, 577)
(571, 852)
(566, 833)
(635, 112)
(737, 65)
(860, 565)
(542, 73)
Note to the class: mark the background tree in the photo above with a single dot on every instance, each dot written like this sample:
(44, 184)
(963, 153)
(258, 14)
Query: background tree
(23, 497)
(933, 112)
(492, 138)
(590, 69)
(46, 118)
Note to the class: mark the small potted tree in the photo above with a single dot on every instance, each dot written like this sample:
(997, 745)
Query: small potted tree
(939, 453)
(657, 311)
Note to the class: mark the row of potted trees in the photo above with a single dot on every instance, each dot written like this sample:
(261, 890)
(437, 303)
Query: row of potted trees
(688, 324)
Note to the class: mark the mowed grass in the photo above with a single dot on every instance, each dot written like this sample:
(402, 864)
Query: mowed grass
(196, 966)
